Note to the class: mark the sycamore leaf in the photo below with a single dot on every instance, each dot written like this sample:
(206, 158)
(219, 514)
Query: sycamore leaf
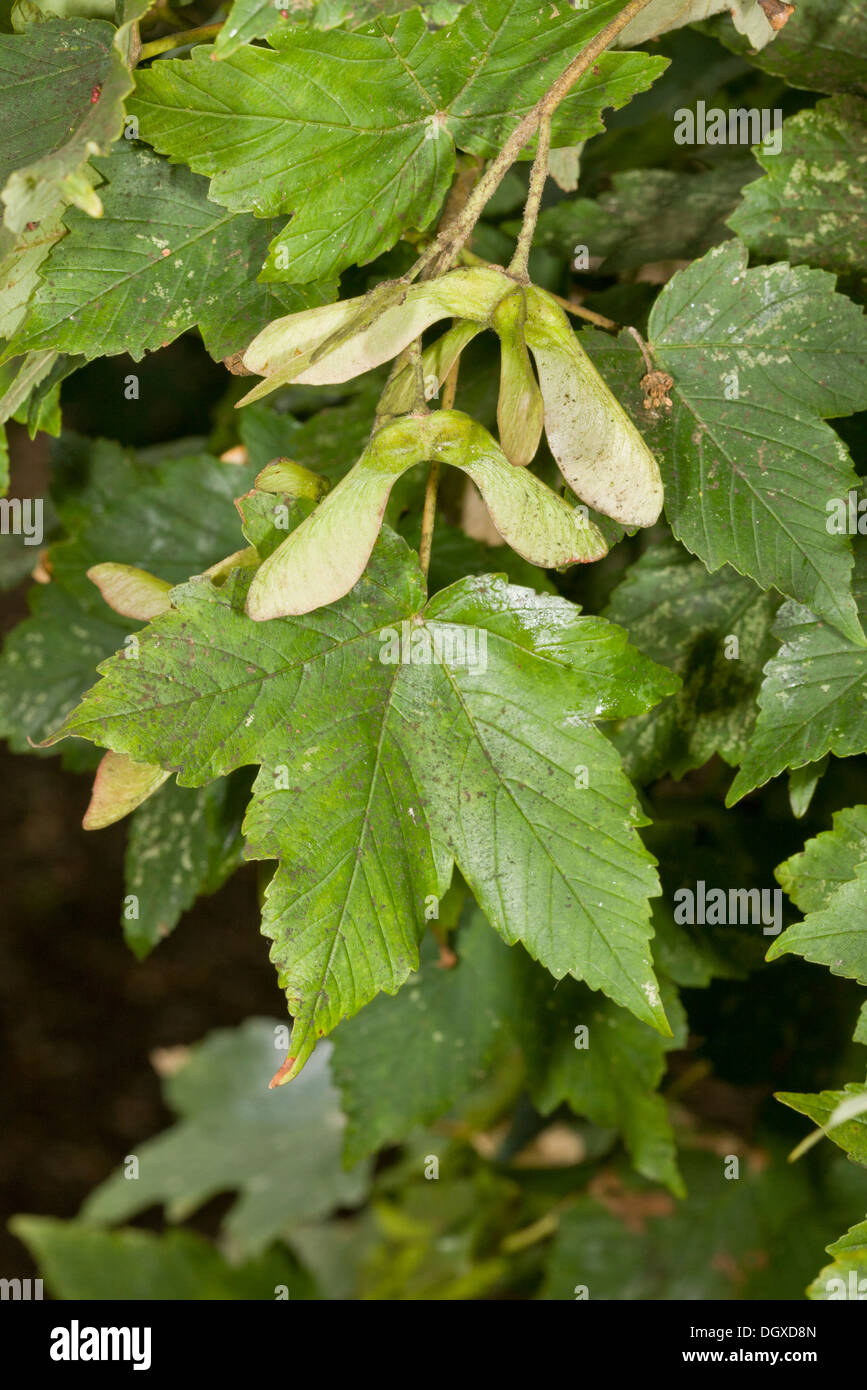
(161, 259)
(79, 1262)
(444, 1025)
(811, 205)
(463, 722)
(812, 698)
(826, 862)
(747, 460)
(397, 96)
(851, 1135)
(172, 519)
(183, 842)
(715, 632)
(846, 1276)
(255, 19)
(279, 1150)
(501, 755)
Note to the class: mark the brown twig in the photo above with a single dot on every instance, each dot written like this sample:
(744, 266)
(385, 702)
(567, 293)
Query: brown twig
(589, 314)
(538, 175)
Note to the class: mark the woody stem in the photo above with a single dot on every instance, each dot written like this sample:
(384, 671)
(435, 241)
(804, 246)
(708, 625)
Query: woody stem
(538, 175)
(447, 244)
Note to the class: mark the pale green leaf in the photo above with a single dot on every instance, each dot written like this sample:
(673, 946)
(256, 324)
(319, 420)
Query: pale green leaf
(399, 97)
(160, 260)
(278, 1150)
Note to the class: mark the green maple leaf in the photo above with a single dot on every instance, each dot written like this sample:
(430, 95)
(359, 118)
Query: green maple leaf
(279, 1150)
(684, 617)
(369, 768)
(851, 1134)
(811, 205)
(337, 124)
(161, 259)
(760, 358)
(78, 1262)
(850, 1259)
(826, 862)
(812, 698)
